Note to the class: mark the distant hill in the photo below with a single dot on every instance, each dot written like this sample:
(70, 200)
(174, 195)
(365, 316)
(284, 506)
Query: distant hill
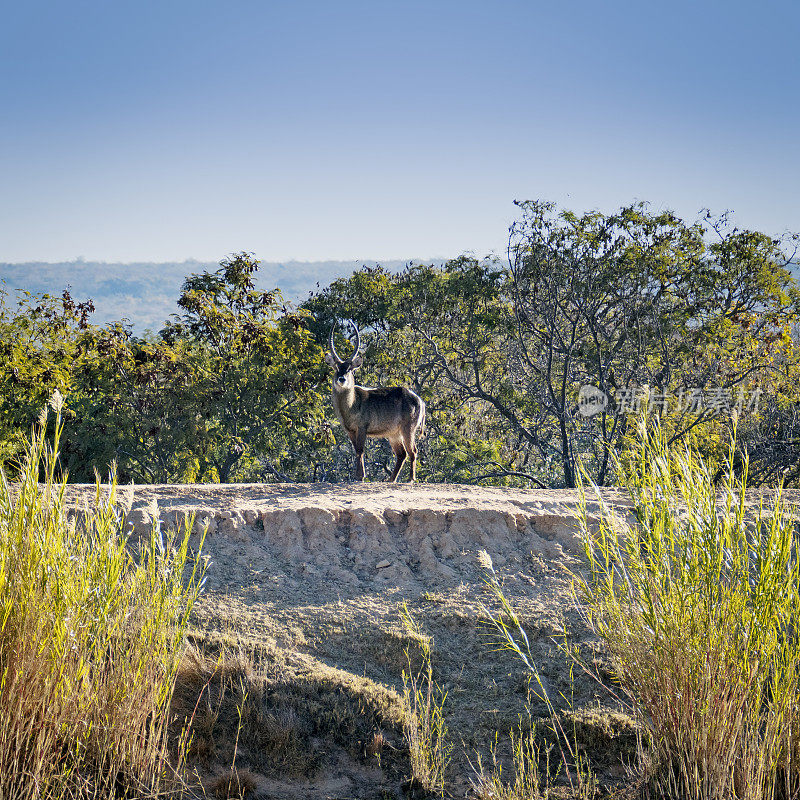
(147, 293)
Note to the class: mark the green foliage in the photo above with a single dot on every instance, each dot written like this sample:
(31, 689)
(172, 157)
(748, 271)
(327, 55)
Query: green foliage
(132, 403)
(618, 301)
(638, 299)
(90, 639)
(235, 389)
(226, 392)
(39, 342)
(255, 400)
(402, 318)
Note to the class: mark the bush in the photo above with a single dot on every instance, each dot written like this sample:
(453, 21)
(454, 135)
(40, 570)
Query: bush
(698, 603)
(90, 639)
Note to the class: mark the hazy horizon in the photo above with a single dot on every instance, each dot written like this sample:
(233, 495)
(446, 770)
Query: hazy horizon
(146, 293)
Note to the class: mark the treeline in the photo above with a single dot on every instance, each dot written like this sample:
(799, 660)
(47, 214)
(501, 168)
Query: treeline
(528, 365)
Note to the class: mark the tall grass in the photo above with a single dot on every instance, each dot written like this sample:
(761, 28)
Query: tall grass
(90, 639)
(424, 726)
(528, 767)
(699, 605)
(508, 633)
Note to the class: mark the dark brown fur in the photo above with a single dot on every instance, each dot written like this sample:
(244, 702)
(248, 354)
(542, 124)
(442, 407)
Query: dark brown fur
(394, 413)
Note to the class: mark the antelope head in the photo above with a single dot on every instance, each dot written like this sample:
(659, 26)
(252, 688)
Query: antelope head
(343, 377)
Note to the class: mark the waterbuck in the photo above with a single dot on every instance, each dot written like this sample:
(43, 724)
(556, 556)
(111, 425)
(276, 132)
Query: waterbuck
(394, 413)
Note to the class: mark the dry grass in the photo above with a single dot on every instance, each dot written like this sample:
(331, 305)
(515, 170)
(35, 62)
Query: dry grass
(424, 726)
(285, 714)
(561, 727)
(528, 766)
(307, 707)
(534, 770)
(90, 641)
(236, 784)
(376, 745)
(697, 605)
(699, 610)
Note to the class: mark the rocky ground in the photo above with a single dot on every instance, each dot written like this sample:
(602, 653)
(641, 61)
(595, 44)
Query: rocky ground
(301, 642)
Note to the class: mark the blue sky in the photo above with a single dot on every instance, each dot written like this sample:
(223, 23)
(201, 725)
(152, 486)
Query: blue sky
(171, 130)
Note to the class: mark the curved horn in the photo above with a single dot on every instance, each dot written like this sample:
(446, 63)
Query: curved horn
(333, 349)
(358, 339)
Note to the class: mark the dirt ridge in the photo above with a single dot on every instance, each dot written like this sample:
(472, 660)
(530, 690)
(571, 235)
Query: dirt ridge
(311, 583)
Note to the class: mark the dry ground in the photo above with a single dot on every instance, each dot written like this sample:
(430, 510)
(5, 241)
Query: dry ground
(304, 593)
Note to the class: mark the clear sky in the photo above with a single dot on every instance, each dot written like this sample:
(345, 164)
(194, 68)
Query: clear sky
(164, 130)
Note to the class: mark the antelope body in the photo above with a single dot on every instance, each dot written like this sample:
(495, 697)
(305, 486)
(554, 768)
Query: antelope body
(394, 413)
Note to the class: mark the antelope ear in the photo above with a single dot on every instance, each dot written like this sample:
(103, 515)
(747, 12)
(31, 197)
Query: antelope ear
(330, 360)
(356, 362)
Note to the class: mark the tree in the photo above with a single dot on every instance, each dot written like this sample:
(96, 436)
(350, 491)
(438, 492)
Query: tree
(255, 404)
(235, 388)
(458, 304)
(227, 391)
(40, 339)
(132, 403)
(619, 302)
(636, 299)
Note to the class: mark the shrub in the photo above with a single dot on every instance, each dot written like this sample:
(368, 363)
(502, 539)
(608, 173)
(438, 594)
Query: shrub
(698, 602)
(90, 639)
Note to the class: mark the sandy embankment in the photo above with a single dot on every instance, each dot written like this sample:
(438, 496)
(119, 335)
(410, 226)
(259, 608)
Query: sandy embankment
(313, 578)
(343, 535)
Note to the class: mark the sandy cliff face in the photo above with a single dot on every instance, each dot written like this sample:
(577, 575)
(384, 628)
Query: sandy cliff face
(354, 537)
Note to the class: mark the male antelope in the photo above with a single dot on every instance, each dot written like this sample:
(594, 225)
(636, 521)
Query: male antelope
(394, 413)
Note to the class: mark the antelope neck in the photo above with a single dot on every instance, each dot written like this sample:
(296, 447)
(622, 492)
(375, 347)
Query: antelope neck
(345, 396)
